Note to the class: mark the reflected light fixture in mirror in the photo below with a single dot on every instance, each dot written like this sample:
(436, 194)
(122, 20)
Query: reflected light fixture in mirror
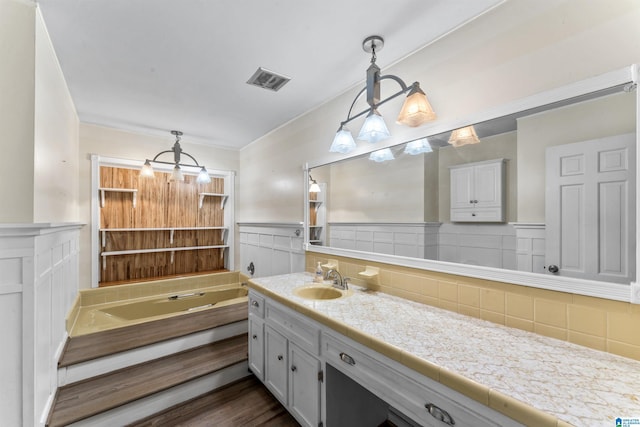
(464, 136)
(381, 155)
(313, 187)
(176, 174)
(415, 111)
(418, 146)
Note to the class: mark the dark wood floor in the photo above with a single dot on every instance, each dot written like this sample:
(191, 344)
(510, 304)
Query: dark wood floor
(244, 403)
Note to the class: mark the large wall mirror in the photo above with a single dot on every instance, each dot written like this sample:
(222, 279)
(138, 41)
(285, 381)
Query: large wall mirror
(547, 197)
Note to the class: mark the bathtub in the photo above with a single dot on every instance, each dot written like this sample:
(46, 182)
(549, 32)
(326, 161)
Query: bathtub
(128, 307)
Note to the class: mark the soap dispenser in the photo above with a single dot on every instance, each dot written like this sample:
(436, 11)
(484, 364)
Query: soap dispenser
(319, 274)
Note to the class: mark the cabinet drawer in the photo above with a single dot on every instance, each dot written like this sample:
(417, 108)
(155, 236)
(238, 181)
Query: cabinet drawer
(294, 326)
(477, 215)
(256, 304)
(412, 395)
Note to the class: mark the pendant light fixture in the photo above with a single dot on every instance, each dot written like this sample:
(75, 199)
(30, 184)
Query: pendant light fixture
(415, 111)
(464, 136)
(176, 174)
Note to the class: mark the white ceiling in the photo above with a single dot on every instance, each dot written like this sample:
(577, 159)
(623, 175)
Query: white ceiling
(157, 65)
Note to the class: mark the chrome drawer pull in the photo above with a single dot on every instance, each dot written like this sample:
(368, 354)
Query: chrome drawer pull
(255, 303)
(439, 414)
(255, 337)
(293, 368)
(279, 357)
(347, 359)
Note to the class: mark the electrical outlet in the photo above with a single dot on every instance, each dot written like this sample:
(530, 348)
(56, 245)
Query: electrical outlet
(635, 293)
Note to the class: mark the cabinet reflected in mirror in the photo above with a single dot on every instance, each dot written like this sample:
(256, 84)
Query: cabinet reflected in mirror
(493, 203)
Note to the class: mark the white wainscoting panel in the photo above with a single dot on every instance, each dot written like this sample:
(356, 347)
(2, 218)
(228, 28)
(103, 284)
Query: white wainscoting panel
(490, 245)
(38, 284)
(416, 240)
(273, 248)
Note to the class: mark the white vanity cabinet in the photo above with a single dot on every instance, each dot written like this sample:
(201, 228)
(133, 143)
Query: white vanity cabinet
(288, 362)
(478, 191)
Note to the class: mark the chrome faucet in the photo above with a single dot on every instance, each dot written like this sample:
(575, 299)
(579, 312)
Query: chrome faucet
(338, 281)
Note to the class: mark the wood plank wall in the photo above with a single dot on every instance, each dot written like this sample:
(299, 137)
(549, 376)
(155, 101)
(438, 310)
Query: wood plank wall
(160, 204)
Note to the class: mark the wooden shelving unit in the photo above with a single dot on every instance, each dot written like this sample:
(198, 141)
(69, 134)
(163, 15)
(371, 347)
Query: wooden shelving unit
(151, 227)
(317, 218)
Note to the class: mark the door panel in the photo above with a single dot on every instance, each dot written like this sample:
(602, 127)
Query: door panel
(304, 386)
(590, 208)
(275, 369)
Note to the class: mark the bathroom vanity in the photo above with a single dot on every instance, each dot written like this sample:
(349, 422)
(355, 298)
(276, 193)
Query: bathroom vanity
(424, 365)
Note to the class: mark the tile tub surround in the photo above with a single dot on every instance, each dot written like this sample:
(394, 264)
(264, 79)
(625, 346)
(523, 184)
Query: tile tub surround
(531, 378)
(601, 324)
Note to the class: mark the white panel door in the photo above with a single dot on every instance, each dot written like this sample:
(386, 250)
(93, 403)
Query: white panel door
(590, 209)
(487, 185)
(304, 386)
(275, 363)
(462, 188)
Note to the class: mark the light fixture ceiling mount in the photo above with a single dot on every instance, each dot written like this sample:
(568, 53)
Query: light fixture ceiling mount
(415, 111)
(176, 174)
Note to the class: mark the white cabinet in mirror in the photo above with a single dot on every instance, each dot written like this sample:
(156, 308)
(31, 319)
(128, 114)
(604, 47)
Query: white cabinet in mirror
(408, 211)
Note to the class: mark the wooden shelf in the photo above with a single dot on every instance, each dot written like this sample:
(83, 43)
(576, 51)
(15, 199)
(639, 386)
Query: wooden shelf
(171, 231)
(104, 255)
(104, 190)
(223, 198)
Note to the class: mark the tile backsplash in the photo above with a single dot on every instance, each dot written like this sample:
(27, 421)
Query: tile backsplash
(601, 324)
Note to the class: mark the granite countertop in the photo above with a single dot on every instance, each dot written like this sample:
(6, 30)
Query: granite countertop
(532, 378)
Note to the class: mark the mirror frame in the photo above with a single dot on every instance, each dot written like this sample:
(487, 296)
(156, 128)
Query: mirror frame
(627, 76)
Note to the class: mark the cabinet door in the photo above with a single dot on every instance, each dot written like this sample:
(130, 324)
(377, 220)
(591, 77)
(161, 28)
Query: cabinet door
(256, 347)
(462, 188)
(304, 386)
(487, 185)
(276, 363)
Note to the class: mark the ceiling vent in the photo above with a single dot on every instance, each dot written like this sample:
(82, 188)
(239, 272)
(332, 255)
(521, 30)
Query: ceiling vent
(268, 79)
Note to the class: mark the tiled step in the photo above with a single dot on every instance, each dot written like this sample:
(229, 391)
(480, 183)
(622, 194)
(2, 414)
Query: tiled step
(87, 347)
(84, 399)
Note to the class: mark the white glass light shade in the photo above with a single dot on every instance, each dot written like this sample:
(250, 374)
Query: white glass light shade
(314, 187)
(374, 128)
(343, 142)
(176, 175)
(147, 170)
(464, 136)
(416, 109)
(203, 176)
(418, 146)
(381, 155)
